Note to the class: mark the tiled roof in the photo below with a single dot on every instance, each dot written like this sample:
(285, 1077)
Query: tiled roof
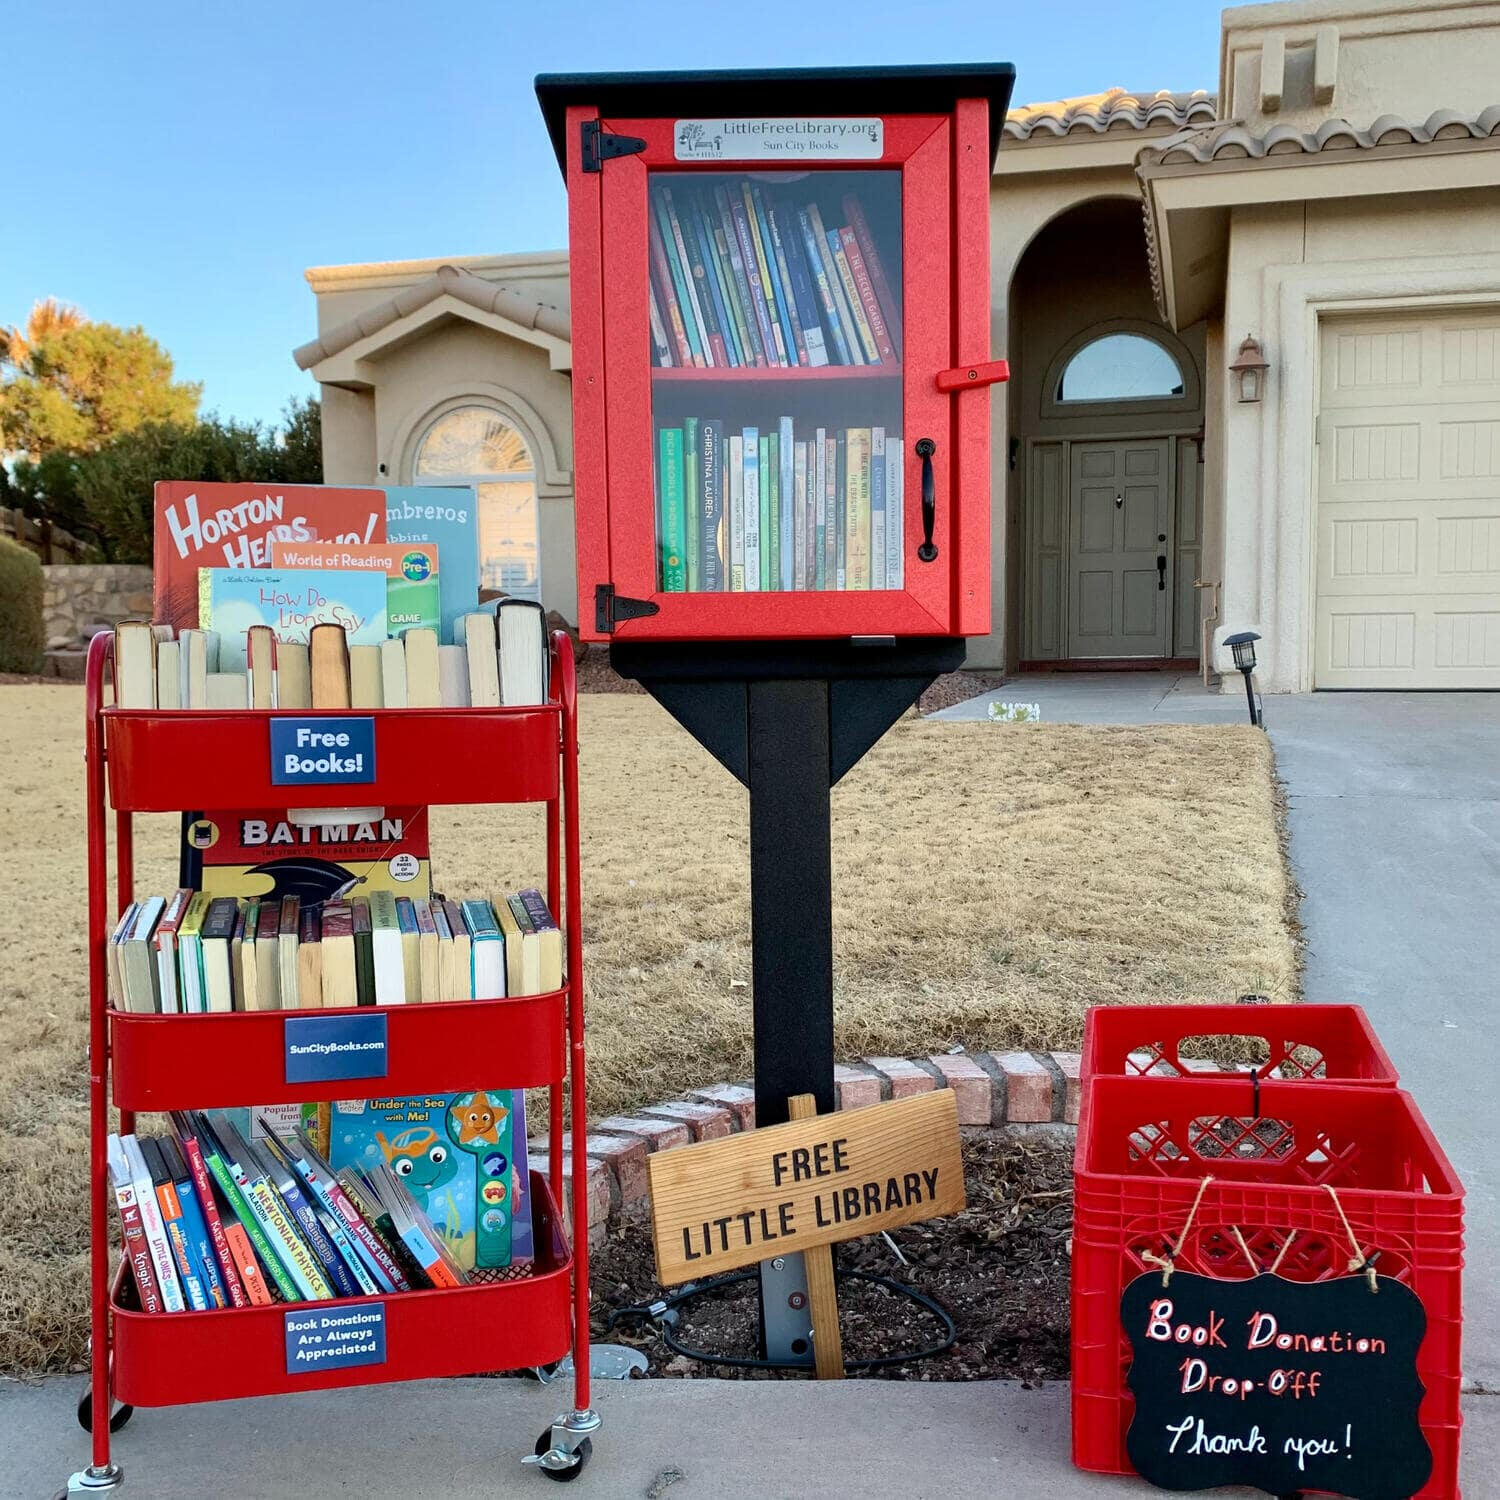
(1113, 110)
(488, 296)
(1228, 141)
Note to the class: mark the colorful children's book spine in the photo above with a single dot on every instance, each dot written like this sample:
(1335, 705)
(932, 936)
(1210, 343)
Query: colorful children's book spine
(764, 321)
(820, 507)
(681, 279)
(673, 512)
(780, 304)
(234, 1195)
(859, 508)
(730, 246)
(765, 531)
(788, 292)
(877, 508)
(752, 508)
(715, 570)
(672, 232)
(890, 303)
(810, 513)
(163, 1261)
(851, 295)
(825, 243)
(867, 298)
(718, 249)
(177, 1232)
(661, 354)
(700, 289)
(784, 495)
(789, 220)
(786, 353)
(200, 1241)
(132, 1229)
(830, 511)
(203, 1184)
(841, 519)
(799, 516)
(704, 244)
(692, 509)
(735, 473)
(666, 287)
(839, 354)
(771, 480)
(895, 511)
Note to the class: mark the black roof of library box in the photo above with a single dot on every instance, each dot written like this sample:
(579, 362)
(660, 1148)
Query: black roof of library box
(919, 89)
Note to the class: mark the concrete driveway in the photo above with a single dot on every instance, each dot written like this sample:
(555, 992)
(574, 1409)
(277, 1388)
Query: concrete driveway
(1394, 812)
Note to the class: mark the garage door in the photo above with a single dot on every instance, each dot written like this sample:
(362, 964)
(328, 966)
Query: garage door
(1408, 582)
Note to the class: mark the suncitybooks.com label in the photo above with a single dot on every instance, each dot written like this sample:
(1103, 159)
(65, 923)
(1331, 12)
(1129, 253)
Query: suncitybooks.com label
(321, 1048)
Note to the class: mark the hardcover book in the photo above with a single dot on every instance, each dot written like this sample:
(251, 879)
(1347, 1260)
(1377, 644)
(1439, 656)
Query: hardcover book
(233, 525)
(291, 602)
(461, 1156)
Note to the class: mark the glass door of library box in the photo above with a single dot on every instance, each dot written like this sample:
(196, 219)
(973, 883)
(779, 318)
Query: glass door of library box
(772, 334)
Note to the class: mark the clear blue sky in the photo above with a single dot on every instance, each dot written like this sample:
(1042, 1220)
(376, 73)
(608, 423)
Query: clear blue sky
(179, 165)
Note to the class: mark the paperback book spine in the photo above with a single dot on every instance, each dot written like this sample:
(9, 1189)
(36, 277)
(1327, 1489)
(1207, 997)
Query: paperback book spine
(137, 1250)
(698, 288)
(770, 469)
(203, 1184)
(877, 508)
(786, 354)
(729, 285)
(734, 477)
(682, 279)
(673, 513)
(895, 510)
(799, 516)
(845, 317)
(859, 508)
(868, 300)
(709, 290)
(752, 262)
(802, 289)
(235, 1197)
(820, 508)
(712, 437)
(824, 293)
(729, 240)
(851, 295)
(890, 303)
(670, 305)
(784, 277)
(692, 473)
(752, 509)
(784, 495)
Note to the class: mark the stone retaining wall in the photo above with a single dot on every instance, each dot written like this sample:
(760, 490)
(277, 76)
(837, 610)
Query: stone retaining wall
(78, 598)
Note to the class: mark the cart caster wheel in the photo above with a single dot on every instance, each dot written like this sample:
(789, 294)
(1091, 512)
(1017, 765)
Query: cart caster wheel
(580, 1453)
(122, 1414)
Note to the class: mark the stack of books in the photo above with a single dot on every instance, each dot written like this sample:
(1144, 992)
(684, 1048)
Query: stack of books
(213, 1219)
(744, 278)
(500, 658)
(193, 954)
(782, 507)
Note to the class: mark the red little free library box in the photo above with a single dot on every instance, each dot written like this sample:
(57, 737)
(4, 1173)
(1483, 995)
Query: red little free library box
(781, 311)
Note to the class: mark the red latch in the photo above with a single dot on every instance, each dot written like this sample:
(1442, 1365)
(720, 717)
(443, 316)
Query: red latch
(964, 377)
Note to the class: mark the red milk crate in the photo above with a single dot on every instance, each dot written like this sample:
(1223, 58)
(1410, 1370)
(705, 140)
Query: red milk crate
(1142, 1156)
(1327, 1043)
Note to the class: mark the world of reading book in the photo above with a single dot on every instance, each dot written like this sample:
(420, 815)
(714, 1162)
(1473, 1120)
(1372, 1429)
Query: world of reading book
(291, 602)
(267, 855)
(233, 525)
(411, 572)
(461, 1156)
(448, 517)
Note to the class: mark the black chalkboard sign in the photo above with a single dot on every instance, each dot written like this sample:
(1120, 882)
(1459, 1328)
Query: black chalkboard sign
(1280, 1385)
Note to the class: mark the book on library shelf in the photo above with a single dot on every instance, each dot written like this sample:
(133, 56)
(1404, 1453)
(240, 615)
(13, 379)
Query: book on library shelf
(214, 1216)
(503, 659)
(782, 508)
(741, 276)
(196, 954)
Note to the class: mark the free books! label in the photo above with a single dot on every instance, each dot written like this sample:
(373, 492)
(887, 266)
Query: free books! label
(335, 1339)
(320, 1048)
(801, 138)
(322, 752)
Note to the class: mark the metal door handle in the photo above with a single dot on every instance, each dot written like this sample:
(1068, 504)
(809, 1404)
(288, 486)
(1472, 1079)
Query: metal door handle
(1161, 573)
(925, 448)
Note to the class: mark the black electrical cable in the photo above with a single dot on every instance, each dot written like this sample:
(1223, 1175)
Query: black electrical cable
(662, 1314)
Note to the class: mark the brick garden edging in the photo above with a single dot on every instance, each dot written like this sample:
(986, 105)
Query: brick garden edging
(992, 1088)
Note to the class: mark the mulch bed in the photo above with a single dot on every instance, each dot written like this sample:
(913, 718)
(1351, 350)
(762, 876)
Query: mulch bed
(1000, 1269)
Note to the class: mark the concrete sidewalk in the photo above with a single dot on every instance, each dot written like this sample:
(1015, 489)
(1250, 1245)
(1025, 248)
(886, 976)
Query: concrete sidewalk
(462, 1440)
(1113, 698)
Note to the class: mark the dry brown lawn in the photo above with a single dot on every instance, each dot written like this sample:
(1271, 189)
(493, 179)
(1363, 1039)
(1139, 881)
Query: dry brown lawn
(990, 882)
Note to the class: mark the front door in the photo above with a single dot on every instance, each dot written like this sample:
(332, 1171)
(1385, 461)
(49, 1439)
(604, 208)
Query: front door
(1120, 588)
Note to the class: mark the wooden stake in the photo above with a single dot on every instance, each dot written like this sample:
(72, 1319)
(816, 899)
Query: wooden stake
(823, 1302)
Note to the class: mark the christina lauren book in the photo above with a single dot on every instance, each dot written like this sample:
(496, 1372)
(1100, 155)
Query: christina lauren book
(291, 601)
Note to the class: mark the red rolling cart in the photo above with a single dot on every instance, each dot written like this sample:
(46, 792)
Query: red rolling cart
(149, 761)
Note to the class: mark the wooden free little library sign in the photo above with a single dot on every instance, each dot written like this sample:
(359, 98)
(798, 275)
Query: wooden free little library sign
(728, 1203)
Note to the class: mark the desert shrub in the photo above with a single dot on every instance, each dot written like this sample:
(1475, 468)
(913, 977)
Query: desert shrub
(22, 635)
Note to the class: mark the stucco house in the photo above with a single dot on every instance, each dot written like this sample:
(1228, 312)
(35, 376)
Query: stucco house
(1336, 203)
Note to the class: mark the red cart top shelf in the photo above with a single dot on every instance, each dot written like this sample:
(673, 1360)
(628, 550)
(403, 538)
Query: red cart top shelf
(776, 277)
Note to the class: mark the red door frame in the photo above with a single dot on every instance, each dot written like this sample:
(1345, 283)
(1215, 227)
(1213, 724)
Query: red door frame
(922, 147)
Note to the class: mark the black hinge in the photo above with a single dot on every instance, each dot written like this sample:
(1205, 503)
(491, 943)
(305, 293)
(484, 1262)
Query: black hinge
(610, 608)
(599, 145)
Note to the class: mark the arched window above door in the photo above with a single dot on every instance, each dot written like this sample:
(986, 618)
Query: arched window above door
(473, 444)
(1119, 367)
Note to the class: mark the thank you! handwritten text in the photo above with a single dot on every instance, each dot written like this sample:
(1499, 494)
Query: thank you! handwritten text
(1285, 1386)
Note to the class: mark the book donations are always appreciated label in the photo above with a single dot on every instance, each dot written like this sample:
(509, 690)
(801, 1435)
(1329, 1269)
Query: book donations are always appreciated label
(322, 752)
(789, 138)
(335, 1339)
(321, 1049)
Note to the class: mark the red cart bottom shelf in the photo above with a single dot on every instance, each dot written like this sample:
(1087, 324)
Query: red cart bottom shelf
(169, 1359)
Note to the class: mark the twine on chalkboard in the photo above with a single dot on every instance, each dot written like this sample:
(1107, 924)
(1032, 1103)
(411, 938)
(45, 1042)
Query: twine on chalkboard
(1168, 1260)
(1359, 1262)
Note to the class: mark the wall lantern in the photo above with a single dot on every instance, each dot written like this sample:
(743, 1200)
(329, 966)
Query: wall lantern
(1249, 368)
(1243, 648)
